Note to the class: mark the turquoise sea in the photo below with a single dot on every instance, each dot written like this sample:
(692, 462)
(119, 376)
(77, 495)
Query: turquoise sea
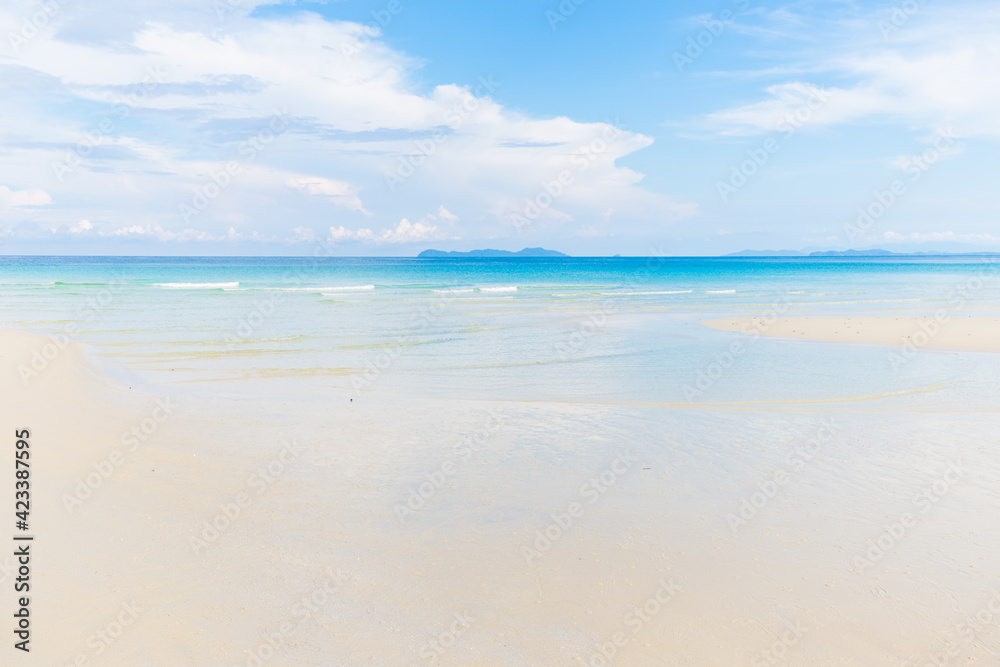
(621, 329)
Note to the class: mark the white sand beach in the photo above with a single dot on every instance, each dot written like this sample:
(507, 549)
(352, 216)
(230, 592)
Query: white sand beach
(656, 551)
(943, 331)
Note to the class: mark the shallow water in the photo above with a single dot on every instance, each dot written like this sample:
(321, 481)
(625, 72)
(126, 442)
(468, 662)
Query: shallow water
(604, 330)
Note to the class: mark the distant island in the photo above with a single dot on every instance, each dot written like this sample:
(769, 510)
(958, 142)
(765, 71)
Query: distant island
(854, 253)
(527, 252)
(767, 253)
(857, 253)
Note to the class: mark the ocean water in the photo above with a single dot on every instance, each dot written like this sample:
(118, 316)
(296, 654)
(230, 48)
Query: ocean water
(387, 369)
(605, 330)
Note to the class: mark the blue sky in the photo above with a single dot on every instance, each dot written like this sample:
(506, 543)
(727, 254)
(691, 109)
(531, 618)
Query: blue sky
(383, 127)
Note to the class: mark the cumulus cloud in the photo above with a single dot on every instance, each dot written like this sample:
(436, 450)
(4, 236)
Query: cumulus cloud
(27, 197)
(164, 235)
(446, 215)
(81, 227)
(407, 232)
(299, 235)
(340, 193)
(404, 232)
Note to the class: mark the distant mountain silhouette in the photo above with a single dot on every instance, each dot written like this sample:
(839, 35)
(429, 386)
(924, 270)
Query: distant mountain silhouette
(855, 253)
(527, 252)
(767, 253)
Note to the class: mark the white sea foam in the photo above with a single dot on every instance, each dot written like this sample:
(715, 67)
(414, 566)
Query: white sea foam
(335, 288)
(676, 291)
(505, 288)
(197, 285)
(349, 288)
(720, 291)
(453, 291)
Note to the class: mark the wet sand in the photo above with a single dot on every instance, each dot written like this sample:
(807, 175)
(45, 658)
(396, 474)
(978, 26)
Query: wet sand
(942, 331)
(310, 530)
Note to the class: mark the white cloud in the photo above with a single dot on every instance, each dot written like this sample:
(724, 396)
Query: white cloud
(404, 232)
(81, 227)
(134, 230)
(340, 193)
(28, 197)
(446, 215)
(342, 233)
(407, 232)
(942, 144)
(942, 67)
(893, 237)
(299, 235)
(160, 234)
(792, 106)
